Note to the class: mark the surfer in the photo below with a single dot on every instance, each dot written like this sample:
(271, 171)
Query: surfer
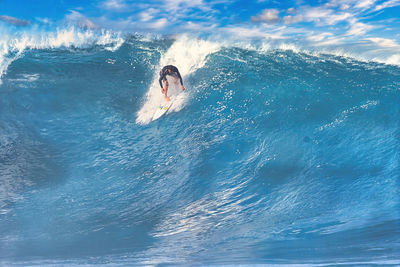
(171, 71)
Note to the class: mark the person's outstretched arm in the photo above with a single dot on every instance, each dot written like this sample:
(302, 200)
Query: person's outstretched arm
(180, 78)
(160, 81)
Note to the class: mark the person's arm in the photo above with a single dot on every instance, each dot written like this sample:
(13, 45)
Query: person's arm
(165, 90)
(160, 80)
(180, 78)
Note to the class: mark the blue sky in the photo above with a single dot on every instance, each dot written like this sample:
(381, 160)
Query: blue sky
(374, 23)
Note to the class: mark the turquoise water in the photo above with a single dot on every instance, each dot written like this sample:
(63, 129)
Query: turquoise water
(272, 156)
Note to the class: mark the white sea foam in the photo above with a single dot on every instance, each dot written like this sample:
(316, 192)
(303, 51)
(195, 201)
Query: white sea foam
(188, 55)
(370, 52)
(25, 78)
(345, 114)
(13, 44)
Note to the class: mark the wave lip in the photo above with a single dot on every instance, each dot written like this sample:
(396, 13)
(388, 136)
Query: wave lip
(13, 44)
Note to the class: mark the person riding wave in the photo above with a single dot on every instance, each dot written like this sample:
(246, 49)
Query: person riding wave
(171, 71)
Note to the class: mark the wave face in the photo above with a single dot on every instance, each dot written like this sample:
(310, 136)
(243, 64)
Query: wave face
(273, 156)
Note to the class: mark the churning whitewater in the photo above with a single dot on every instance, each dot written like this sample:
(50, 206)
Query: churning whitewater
(272, 156)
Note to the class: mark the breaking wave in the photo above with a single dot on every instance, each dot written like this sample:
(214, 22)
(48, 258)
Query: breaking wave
(275, 154)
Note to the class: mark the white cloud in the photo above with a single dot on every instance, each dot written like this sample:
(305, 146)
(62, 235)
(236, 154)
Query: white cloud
(44, 20)
(318, 37)
(365, 4)
(325, 39)
(178, 7)
(126, 24)
(387, 4)
(116, 5)
(344, 6)
(291, 10)
(254, 32)
(267, 15)
(358, 28)
(148, 14)
(316, 14)
(330, 41)
(351, 4)
(192, 26)
(80, 20)
(158, 24)
(335, 18)
(292, 19)
(383, 42)
(324, 16)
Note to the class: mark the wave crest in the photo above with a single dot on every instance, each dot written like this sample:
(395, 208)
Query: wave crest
(13, 44)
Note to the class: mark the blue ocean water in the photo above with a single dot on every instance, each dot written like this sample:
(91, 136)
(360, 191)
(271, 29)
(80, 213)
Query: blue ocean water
(273, 156)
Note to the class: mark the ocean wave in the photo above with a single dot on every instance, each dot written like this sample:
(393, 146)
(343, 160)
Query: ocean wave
(276, 153)
(13, 44)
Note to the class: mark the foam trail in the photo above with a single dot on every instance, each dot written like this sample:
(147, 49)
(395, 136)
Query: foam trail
(8, 54)
(188, 55)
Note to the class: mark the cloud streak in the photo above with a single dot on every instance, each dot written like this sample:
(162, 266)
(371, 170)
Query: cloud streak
(14, 21)
(384, 42)
(387, 4)
(115, 5)
(359, 28)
